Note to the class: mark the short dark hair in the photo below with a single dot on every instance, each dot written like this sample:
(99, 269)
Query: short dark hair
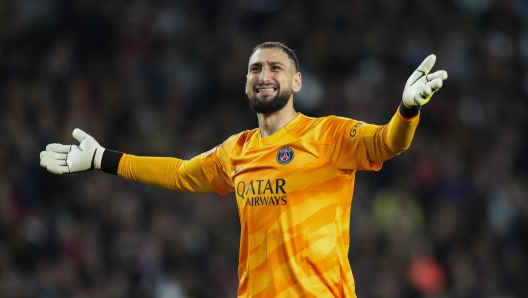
(281, 46)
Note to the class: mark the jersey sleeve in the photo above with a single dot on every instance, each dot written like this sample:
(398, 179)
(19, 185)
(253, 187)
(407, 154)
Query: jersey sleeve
(217, 168)
(362, 146)
(207, 172)
(387, 141)
(165, 172)
(350, 151)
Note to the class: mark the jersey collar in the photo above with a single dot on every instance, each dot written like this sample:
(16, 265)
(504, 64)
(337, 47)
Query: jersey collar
(281, 135)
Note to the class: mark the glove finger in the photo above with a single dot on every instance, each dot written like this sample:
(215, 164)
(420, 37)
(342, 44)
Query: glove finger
(59, 148)
(52, 155)
(422, 70)
(44, 161)
(427, 64)
(436, 84)
(441, 74)
(59, 170)
(79, 135)
(50, 161)
(426, 91)
(418, 99)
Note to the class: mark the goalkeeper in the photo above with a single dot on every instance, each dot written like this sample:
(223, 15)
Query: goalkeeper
(292, 177)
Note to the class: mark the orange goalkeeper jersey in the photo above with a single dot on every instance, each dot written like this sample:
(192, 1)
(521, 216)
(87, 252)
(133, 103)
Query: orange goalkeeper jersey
(294, 194)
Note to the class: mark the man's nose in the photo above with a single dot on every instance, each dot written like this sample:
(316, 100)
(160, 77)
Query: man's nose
(264, 75)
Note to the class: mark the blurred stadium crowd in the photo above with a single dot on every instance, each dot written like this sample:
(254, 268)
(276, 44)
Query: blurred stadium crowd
(447, 218)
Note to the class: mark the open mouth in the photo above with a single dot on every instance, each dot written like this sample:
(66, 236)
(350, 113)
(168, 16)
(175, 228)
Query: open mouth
(266, 90)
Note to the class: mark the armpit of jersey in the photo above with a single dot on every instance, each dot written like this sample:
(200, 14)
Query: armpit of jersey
(216, 164)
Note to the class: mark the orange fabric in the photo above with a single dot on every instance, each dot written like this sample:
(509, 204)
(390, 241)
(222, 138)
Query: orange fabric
(387, 141)
(166, 172)
(294, 194)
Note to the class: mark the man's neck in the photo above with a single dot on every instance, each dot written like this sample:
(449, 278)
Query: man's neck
(273, 122)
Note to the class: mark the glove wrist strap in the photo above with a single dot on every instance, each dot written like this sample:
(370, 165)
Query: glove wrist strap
(110, 161)
(98, 155)
(409, 112)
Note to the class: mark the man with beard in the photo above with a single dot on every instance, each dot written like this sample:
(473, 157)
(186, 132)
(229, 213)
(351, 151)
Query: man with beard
(293, 176)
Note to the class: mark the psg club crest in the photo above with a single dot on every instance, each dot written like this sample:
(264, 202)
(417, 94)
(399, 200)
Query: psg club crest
(285, 155)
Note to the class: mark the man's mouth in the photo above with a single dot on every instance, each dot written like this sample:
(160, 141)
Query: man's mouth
(266, 90)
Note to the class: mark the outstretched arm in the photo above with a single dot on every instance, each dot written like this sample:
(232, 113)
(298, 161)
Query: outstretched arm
(166, 172)
(387, 141)
(171, 173)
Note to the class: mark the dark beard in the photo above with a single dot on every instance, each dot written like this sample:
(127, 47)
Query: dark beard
(272, 106)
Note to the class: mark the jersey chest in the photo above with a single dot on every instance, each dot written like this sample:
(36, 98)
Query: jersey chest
(268, 175)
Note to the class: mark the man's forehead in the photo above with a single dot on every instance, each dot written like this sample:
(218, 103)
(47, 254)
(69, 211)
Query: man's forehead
(268, 55)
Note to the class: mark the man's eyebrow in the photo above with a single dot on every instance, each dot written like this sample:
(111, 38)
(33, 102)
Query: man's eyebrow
(267, 62)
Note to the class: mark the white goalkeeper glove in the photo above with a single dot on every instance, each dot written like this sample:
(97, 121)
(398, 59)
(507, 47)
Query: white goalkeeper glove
(65, 159)
(421, 85)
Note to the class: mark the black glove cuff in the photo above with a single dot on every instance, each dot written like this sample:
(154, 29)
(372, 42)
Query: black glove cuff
(110, 161)
(408, 112)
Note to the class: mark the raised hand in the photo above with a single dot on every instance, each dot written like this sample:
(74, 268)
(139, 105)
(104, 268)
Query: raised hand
(421, 85)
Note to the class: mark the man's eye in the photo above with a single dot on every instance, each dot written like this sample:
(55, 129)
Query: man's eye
(255, 69)
(276, 68)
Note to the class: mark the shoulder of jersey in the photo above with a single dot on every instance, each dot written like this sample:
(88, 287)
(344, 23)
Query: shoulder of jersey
(322, 130)
(241, 138)
(312, 123)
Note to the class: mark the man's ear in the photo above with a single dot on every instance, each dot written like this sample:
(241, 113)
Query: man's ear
(297, 82)
(245, 88)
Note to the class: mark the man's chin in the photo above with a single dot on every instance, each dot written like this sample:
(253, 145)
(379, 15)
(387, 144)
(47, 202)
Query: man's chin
(265, 98)
(267, 105)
